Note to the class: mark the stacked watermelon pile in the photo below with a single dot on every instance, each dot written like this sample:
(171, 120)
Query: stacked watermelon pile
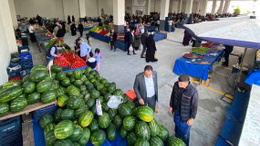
(76, 120)
(69, 58)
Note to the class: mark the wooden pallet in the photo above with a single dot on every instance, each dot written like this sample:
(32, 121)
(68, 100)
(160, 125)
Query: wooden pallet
(27, 132)
(28, 109)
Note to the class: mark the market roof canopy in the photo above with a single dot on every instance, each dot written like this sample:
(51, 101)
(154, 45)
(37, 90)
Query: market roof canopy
(238, 31)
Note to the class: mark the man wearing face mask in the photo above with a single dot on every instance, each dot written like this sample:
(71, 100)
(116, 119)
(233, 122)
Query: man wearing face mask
(184, 105)
(146, 87)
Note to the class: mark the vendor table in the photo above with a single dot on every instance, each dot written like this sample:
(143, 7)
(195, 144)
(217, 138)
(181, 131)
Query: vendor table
(99, 37)
(121, 45)
(185, 65)
(159, 36)
(41, 39)
(88, 28)
(28, 109)
(251, 129)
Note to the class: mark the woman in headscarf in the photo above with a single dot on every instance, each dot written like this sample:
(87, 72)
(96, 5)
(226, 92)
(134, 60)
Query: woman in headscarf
(73, 29)
(69, 21)
(137, 39)
(151, 48)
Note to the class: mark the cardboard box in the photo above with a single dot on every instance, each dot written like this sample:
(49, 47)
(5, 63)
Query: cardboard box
(206, 83)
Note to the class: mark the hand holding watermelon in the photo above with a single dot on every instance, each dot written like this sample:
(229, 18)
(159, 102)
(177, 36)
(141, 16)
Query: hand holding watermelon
(141, 101)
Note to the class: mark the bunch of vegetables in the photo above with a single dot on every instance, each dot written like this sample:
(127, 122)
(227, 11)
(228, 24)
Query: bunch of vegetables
(69, 58)
(200, 50)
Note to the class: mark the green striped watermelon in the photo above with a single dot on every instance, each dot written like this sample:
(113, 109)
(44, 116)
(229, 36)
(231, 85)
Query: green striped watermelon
(84, 138)
(39, 68)
(124, 110)
(117, 120)
(12, 84)
(67, 114)
(163, 133)
(11, 93)
(77, 131)
(38, 76)
(93, 125)
(49, 127)
(45, 120)
(174, 141)
(33, 98)
(145, 113)
(44, 85)
(18, 104)
(69, 73)
(78, 74)
(129, 123)
(98, 137)
(78, 83)
(142, 130)
(4, 108)
(61, 76)
(64, 129)
(142, 142)
(57, 115)
(65, 82)
(131, 138)
(62, 100)
(48, 97)
(105, 107)
(63, 143)
(28, 87)
(156, 141)
(123, 132)
(73, 103)
(50, 138)
(60, 91)
(130, 104)
(55, 68)
(104, 120)
(111, 132)
(155, 129)
(85, 118)
(80, 110)
(91, 102)
(112, 113)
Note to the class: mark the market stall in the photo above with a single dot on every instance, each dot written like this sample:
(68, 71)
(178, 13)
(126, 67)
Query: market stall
(43, 36)
(196, 65)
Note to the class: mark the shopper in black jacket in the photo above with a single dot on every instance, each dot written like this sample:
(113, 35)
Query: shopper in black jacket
(113, 38)
(81, 28)
(144, 38)
(129, 40)
(184, 105)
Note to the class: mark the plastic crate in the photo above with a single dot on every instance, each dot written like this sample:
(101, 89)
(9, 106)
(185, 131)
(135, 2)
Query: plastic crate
(14, 69)
(14, 64)
(27, 64)
(13, 75)
(15, 55)
(15, 79)
(43, 111)
(10, 120)
(23, 49)
(25, 56)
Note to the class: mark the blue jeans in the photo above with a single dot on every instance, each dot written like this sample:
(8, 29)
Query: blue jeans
(182, 130)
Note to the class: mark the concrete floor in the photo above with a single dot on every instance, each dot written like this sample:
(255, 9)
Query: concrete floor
(120, 68)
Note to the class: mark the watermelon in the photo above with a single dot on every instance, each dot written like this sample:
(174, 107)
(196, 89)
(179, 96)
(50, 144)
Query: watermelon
(60, 91)
(85, 118)
(12, 84)
(38, 76)
(90, 103)
(86, 82)
(45, 120)
(111, 132)
(74, 92)
(117, 120)
(105, 107)
(130, 104)
(77, 131)
(63, 143)
(145, 113)
(33, 98)
(142, 130)
(92, 79)
(156, 141)
(53, 75)
(22, 96)
(44, 85)
(55, 68)
(73, 103)
(174, 141)
(100, 87)
(67, 114)
(65, 82)
(124, 110)
(61, 76)
(18, 104)
(83, 78)
(48, 97)
(103, 81)
(80, 111)
(55, 86)
(88, 70)
(131, 138)
(78, 83)
(95, 94)
(83, 88)
(142, 142)
(76, 144)
(63, 129)
(155, 129)
(129, 123)
(112, 113)
(39, 68)
(123, 132)
(84, 138)
(94, 110)
(50, 138)
(57, 115)
(72, 79)
(104, 120)
(49, 127)
(98, 137)
(118, 92)
(87, 96)
(28, 87)
(163, 133)
(4, 108)
(93, 125)
(111, 87)
(78, 74)
(69, 73)
(107, 96)
(9, 94)
(26, 78)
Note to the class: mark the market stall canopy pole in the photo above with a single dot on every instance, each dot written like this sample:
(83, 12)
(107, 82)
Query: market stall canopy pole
(238, 31)
(241, 69)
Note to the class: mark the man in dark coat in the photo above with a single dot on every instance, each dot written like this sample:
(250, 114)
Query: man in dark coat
(144, 38)
(184, 105)
(151, 48)
(146, 87)
(129, 40)
(113, 38)
(81, 28)
(73, 29)
(228, 51)
(69, 21)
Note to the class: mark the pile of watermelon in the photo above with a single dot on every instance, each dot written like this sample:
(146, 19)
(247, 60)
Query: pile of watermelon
(76, 120)
(69, 58)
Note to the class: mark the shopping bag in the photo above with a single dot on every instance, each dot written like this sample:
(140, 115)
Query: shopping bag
(130, 48)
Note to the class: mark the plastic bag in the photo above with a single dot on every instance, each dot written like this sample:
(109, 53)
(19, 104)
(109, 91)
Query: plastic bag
(114, 101)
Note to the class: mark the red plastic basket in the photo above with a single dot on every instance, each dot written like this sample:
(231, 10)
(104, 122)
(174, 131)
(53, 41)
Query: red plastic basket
(15, 79)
